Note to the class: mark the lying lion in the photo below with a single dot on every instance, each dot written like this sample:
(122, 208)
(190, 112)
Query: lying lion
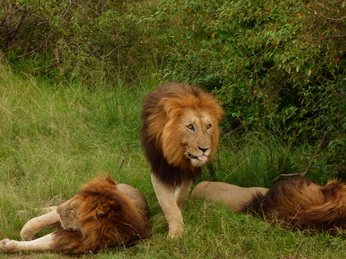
(102, 215)
(298, 203)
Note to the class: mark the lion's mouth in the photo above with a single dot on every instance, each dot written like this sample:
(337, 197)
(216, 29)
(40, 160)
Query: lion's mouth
(201, 158)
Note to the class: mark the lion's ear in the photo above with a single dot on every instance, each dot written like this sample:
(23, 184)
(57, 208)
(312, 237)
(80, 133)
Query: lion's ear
(102, 210)
(107, 207)
(110, 180)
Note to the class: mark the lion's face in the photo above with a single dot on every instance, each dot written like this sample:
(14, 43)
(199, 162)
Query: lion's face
(190, 137)
(69, 214)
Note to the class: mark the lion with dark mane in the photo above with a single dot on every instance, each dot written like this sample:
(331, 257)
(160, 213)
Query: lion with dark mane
(298, 203)
(102, 215)
(179, 135)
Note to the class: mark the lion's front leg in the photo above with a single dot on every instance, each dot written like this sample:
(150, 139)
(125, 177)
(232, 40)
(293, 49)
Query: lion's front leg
(40, 244)
(166, 196)
(48, 220)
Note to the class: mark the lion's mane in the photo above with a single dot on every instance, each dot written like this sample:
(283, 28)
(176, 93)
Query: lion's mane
(163, 108)
(108, 218)
(303, 205)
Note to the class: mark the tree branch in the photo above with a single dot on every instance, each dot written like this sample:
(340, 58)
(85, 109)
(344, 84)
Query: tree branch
(35, 49)
(311, 162)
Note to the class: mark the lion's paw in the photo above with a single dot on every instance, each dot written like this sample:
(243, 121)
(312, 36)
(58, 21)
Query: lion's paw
(27, 235)
(7, 245)
(176, 231)
(3, 244)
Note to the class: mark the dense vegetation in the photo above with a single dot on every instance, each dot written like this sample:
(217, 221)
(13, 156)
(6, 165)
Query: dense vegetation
(277, 65)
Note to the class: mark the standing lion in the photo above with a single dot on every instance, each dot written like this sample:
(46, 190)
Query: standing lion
(179, 135)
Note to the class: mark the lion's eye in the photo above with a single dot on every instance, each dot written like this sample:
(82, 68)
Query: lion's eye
(208, 126)
(191, 127)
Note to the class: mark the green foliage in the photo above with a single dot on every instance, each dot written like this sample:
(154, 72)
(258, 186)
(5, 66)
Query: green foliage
(88, 41)
(279, 65)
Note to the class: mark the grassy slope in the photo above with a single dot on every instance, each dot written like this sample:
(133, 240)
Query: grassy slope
(54, 138)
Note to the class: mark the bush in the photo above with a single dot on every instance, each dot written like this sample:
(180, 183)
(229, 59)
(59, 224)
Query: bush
(78, 40)
(279, 65)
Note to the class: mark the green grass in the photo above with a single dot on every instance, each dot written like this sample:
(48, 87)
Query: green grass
(53, 138)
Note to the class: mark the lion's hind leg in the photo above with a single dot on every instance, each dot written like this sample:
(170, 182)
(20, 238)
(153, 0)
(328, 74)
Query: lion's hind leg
(231, 196)
(34, 225)
(182, 193)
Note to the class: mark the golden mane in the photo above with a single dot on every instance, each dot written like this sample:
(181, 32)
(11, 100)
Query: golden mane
(107, 218)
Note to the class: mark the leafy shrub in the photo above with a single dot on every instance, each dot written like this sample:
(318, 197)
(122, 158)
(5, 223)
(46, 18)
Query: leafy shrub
(280, 65)
(78, 40)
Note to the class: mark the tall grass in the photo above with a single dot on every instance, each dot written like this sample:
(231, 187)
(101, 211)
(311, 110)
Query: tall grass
(53, 138)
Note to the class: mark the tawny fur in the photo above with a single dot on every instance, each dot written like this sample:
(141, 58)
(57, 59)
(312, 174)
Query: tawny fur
(179, 135)
(229, 195)
(298, 203)
(102, 215)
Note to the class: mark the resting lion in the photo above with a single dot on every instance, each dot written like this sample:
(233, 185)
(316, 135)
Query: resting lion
(179, 135)
(102, 215)
(298, 203)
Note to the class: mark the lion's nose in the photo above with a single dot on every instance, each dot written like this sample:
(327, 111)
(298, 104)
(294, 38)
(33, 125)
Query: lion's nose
(203, 149)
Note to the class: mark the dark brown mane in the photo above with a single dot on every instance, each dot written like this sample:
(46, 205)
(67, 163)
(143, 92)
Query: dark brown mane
(167, 173)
